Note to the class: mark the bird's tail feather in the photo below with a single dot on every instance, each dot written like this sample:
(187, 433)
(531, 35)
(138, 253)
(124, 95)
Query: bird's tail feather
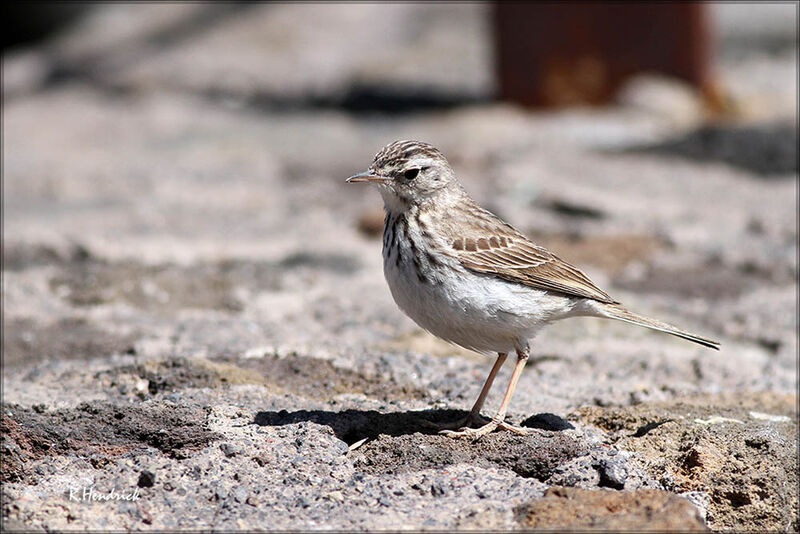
(615, 311)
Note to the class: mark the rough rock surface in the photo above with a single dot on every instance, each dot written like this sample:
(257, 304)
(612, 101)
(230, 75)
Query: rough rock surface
(644, 509)
(736, 455)
(194, 312)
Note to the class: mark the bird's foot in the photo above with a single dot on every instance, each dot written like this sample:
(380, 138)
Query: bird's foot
(465, 422)
(491, 426)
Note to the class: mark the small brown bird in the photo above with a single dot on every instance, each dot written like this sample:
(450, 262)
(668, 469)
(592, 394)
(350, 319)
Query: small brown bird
(469, 278)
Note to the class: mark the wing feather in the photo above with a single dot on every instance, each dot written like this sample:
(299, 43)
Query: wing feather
(509, 255)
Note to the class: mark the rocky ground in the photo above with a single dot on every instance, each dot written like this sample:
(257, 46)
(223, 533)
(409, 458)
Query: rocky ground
(194, 308)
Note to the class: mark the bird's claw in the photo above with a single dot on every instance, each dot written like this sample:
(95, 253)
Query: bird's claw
(464, 422)
(477, 433)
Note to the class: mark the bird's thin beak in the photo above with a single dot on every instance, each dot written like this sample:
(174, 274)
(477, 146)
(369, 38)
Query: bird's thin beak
(367, 176)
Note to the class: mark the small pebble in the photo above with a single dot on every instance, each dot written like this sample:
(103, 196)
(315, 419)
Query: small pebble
(240, 494)
(146, 479)
(613, 473)
(437, 489)
(336, 496)
(229, 449)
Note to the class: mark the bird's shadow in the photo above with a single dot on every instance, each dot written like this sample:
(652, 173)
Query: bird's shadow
(354, 425)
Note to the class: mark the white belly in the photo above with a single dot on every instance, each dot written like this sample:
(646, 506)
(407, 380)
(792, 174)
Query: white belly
(478, 312)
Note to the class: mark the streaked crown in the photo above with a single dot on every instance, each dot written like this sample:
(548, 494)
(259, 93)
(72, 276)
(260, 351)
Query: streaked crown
(399, 153)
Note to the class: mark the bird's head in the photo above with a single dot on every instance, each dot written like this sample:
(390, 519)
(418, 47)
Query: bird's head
(409, 173)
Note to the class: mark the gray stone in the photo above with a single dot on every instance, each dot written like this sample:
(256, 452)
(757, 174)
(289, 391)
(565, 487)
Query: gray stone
(230, 449)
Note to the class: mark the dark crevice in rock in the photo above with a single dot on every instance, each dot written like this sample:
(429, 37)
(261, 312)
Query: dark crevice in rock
(99, 431)
(646, 428)
(402, 442)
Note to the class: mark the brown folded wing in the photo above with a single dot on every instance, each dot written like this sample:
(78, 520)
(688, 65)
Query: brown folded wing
(512, 257)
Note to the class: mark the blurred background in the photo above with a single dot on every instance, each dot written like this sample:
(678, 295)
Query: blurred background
(173, 191)
(177, 133)
(173, 166)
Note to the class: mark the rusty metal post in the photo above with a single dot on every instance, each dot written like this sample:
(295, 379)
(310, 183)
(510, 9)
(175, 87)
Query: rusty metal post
(558, 54)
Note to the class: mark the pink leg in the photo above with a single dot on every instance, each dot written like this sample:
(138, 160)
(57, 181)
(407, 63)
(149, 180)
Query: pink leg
(474, 416)
(498, 419)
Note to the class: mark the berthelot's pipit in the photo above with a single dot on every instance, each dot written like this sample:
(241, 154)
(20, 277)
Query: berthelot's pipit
(468, 277)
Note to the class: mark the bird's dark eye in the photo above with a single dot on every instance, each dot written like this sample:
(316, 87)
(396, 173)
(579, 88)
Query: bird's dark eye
(410, 174)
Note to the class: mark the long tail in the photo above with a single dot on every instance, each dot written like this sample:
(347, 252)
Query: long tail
(615, 311)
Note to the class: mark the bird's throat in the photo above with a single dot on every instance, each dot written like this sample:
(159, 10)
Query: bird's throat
(392, 202)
